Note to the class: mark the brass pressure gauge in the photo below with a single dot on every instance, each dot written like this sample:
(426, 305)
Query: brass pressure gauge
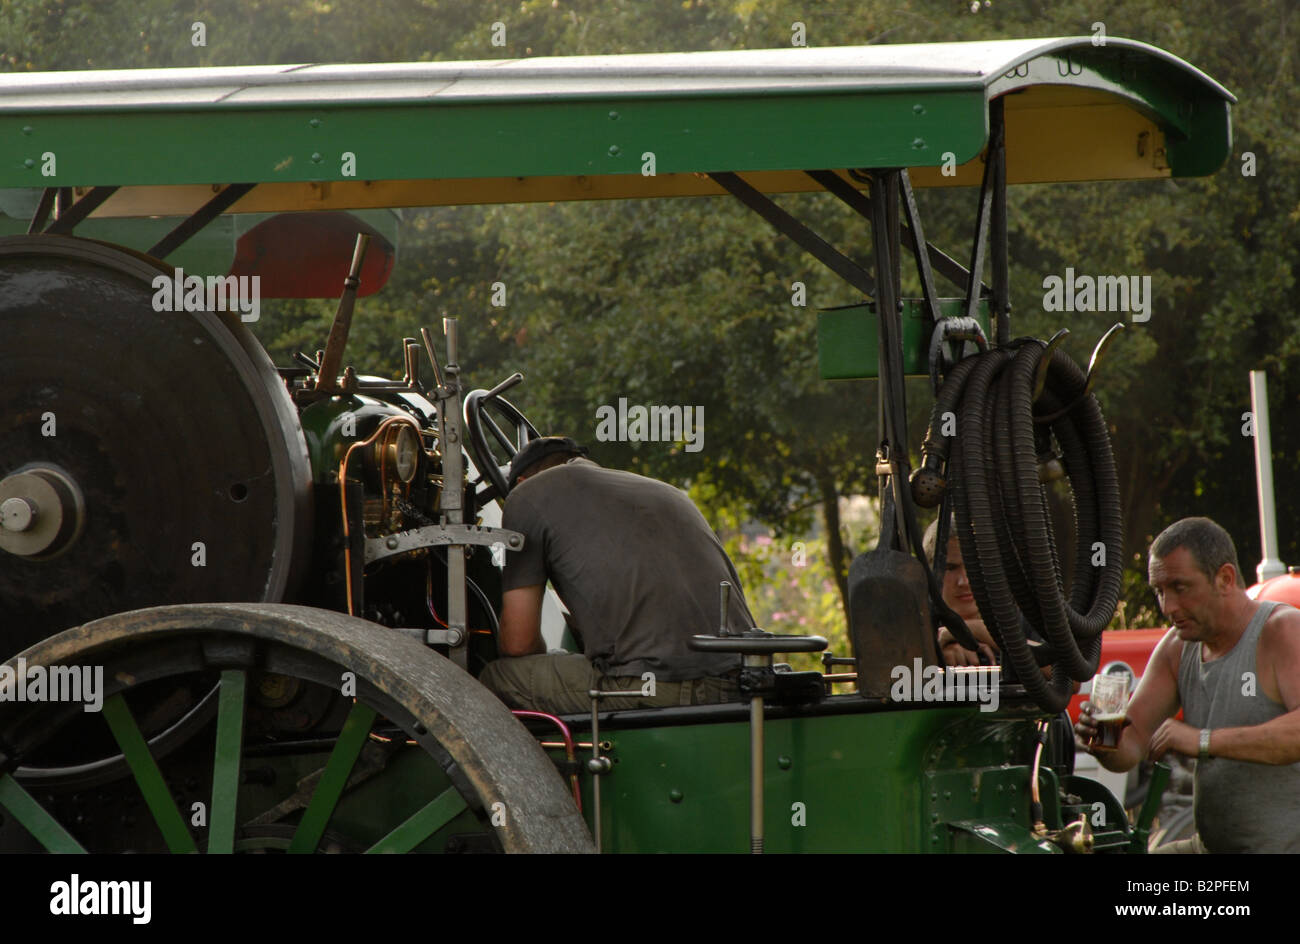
(404, 453)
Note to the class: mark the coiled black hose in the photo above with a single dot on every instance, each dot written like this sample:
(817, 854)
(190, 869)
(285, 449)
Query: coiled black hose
(1001, 509)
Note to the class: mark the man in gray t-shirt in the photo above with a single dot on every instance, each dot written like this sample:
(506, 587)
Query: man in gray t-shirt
(638, 568)
(1233, 665)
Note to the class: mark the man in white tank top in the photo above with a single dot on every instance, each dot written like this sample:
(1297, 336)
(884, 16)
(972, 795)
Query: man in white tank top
(1233, 666)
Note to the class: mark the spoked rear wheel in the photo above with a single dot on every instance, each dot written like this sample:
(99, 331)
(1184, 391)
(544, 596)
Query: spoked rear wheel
(330, 734)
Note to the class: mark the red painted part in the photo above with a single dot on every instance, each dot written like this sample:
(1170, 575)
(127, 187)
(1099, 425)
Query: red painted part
(307, 255)
(1285, 588)
(1133, 647)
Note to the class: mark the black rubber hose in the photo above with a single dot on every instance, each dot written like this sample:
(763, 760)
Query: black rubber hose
(1000, 504)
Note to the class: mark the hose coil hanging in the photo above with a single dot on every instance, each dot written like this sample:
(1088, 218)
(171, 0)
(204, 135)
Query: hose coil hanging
(992, 462)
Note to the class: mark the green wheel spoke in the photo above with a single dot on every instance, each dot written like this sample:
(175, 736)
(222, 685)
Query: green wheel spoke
(435, 814)
(147, 776)
(335, 778)
(49, 832)
(225, 766)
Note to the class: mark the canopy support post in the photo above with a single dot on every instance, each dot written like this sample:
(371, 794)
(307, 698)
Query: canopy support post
(1001, 300)
(891, 393)
(979, 247)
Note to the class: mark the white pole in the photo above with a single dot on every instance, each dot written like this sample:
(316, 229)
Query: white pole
(1270, 566)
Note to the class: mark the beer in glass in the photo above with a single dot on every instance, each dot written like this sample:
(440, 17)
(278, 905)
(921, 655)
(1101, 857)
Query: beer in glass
(1109, 709)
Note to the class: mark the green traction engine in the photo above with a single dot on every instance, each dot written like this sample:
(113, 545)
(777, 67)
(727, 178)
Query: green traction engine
(349, 719)
(243, 607)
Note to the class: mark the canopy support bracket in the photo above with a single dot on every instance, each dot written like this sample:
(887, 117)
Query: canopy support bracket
(66, 222)
(992, 210)
(804, 237)
(938, 260)
(42, 210)
(917, 240)
(199, 219)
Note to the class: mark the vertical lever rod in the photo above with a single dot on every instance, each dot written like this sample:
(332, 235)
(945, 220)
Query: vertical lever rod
(327, 377)
(451, 501)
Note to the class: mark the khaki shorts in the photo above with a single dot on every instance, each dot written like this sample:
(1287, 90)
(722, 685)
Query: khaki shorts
(558, 684)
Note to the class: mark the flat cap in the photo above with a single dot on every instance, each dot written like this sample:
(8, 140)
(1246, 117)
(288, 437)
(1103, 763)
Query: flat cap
(535, 450)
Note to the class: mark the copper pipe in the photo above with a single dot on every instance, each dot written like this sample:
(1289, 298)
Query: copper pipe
(570, 753)
(1038, 756)
(1040, 828)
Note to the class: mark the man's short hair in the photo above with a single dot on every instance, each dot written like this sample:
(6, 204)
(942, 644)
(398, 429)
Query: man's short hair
(1210, 546)
(930, 541)
(537, 451)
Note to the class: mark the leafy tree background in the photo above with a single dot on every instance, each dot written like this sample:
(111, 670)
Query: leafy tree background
(689, 301)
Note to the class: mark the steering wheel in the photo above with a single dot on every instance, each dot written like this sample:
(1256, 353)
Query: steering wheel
(479, 424)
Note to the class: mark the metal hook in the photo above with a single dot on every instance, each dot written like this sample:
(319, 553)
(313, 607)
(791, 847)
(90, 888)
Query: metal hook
(1097, 353)
(1045, 362)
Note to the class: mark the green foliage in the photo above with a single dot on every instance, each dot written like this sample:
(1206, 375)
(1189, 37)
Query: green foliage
(795, 598)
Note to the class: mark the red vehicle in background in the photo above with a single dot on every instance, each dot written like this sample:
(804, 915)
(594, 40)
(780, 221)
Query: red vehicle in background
(1285, 588)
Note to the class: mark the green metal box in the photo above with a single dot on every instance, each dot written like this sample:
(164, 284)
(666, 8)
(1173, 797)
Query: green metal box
(848, 345)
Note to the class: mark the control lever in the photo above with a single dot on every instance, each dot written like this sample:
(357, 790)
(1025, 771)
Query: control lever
(724, 592)
(433, 356)
(450, 494)
(453, 344)
(327, 378)
(412, 362)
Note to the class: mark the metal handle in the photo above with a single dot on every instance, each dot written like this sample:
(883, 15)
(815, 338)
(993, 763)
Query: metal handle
(358, 256)
(412, 362)
(513, 380)
(766, 644)
(332, 359)
(453, 344)
(433, 356)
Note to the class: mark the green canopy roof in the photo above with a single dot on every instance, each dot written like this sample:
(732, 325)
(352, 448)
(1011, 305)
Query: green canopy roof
(345, 136)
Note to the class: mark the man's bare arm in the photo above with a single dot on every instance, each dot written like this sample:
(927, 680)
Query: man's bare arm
(521, 622)
(1274, 742)
(1155, 700)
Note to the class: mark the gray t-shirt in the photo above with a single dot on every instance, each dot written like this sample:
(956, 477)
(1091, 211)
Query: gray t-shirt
(1240, 806)
(634, 561)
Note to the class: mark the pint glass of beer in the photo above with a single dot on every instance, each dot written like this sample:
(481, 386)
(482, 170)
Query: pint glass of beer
(1109, 703)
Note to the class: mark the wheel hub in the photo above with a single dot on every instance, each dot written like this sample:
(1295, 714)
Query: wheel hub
(42, 513)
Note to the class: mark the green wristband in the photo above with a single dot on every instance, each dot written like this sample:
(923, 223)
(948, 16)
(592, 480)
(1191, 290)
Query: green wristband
(1205, 743)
